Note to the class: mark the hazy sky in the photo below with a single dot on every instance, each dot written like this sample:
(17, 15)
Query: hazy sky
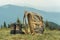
(47, 5)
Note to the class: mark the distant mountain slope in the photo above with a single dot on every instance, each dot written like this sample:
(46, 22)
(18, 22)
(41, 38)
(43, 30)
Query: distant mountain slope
(10, 13)
(52, 25)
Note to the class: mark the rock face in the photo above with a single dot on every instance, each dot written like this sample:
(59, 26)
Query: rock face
(16, 29)
(39, 30)
(13, 29)
(12, 32)
(19, 32)
(16, 32)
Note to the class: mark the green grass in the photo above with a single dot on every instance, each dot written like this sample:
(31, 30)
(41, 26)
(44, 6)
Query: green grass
(48, 35)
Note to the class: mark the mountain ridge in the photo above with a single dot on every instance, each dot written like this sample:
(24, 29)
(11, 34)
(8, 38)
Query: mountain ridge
(9, 13)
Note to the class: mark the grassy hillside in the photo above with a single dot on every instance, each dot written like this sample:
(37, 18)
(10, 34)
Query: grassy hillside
(48, 35)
